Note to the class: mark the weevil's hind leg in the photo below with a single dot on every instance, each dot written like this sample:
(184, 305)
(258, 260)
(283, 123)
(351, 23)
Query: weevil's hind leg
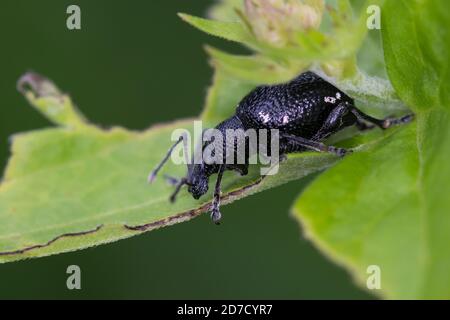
(382, 123)
(316, 146)
(215, 209)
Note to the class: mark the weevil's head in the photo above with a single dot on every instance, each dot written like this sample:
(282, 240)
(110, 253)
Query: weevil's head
(198, 181)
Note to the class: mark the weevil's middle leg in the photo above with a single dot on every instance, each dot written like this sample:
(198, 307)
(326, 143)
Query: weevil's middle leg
(180, 183)
(215, 209)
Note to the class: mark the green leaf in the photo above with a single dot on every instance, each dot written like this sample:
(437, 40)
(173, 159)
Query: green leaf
(225, 10)
(75, 186)
(372, 94)
(280, 64)
(365, 211)
(371, 56)
(418, 51)
(281, 38)
(224, 95)
(50, 101)
(257, 69)
(388, 205)
(233, 31)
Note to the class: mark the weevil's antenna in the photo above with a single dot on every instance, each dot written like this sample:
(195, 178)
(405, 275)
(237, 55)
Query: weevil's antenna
(188, 179)
(154, 173)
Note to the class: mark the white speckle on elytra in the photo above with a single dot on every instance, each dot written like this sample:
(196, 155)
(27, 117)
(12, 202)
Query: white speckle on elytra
(330, 100)
(264, 116)
(285, 119)
(338, 95)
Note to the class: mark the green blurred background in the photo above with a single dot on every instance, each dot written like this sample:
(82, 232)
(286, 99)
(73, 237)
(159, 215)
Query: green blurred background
(135, 63)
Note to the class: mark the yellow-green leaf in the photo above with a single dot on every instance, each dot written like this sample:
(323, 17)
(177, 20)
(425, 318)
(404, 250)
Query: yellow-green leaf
(71, 187)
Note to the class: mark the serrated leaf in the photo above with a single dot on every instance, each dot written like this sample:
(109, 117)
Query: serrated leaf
(229, 30)
(225, 10)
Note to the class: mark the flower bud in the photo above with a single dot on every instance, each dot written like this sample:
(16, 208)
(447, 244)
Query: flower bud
(277, 21)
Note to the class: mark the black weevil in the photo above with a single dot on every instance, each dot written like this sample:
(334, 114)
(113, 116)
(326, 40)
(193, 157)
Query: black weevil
(305, 110)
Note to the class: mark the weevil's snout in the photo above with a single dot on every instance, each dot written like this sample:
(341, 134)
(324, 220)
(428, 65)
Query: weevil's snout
(198, 189)
(198, 186)
(198, 181)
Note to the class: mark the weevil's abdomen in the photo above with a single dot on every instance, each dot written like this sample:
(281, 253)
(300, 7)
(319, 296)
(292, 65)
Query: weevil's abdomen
(298, 107)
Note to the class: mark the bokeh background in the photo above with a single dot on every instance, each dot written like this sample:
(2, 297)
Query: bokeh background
(135, 63)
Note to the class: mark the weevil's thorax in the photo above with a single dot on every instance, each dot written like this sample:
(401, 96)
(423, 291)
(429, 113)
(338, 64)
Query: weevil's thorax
(200, 173)
(220, 148)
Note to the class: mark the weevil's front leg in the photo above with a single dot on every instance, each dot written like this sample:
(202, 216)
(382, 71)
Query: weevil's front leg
(172, 180)
(382, 123)
(180, 183)
(334, 122)
(364, 125)
(215, 209)
(315, 145)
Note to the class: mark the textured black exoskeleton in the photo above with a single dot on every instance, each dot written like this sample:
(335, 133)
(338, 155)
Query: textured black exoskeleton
(305, 110)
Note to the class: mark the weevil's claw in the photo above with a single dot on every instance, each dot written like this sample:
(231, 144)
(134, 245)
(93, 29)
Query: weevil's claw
(389, 122)
(406, 119)
(216, 216)
(340, 152)
(173, 196)
(283, 158)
